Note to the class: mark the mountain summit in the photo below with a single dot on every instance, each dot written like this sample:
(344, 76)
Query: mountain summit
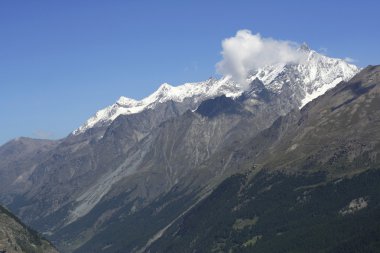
(305, 81)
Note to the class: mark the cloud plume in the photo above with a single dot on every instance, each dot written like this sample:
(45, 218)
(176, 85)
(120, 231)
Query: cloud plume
(246, 52)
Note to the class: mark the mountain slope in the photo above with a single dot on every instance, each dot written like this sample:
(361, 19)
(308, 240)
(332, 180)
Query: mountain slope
(16, 237)
(319, 135)
(311, 183)
(155, 165)
(168, 150)
(278, 212)
(19, 158)
(203, 174)
(79, 161)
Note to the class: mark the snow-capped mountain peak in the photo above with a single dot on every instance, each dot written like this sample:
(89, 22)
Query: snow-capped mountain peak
(124, 101)
(197, 92)
(312, 77)
(307, 80)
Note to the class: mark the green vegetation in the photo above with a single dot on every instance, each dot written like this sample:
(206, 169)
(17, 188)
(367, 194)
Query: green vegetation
(292, 217)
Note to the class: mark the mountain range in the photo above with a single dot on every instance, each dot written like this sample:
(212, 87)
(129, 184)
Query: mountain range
(210, 166)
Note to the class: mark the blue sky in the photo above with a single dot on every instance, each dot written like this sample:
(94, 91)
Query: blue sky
(61, 61)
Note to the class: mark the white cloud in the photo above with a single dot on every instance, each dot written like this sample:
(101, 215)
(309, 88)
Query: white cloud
(246, 52)
(349, 60)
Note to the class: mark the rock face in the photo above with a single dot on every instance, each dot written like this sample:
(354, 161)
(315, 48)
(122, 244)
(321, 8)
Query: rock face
(312, 177)
(16, 237)
(137, 167)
